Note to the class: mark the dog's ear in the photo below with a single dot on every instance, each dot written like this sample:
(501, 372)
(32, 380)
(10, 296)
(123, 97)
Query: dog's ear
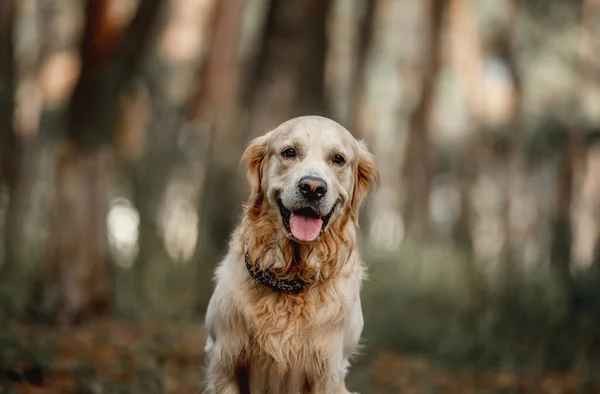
(254, 158)
(365, 175)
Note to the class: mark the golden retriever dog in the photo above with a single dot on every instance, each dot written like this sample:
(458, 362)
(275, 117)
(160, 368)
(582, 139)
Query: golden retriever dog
(285, 316)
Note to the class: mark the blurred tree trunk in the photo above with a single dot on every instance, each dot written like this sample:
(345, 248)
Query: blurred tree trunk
(561, 235)
(345, 54)
(557, 335)
(150, 179)
(419, 161)
(586, 237)
(581, 318)
(393, 42)
(75, 279)
(151, 176)
(169, 152)
(568, 153)
(215, 111)
(514, 162)
(75, 282)
(467, 63)
(358, 79)
(289, 77)
(7, 92)
(9, 141)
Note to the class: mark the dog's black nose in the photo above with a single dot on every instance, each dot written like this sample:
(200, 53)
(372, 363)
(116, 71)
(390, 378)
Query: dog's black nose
(312, 188)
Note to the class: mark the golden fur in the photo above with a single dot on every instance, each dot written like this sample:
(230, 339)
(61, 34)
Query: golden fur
(265, 341)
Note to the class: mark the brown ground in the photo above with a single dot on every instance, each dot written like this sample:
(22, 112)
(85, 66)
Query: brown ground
(124, 357)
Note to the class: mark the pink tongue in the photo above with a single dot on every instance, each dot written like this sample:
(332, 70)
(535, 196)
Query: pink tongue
(304, 228)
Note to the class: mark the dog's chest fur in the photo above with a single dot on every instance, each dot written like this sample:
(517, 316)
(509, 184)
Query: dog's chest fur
(293, 339)
(282, 336)
(285, 325)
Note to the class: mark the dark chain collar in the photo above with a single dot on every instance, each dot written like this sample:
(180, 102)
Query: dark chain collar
(268, 278)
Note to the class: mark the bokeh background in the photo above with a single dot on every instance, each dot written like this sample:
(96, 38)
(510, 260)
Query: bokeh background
(122, 123)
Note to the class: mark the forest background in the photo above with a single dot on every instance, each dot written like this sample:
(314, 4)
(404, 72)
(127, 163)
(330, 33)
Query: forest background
(122, 123)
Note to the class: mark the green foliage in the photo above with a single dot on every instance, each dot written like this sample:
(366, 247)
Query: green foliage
(433, 300)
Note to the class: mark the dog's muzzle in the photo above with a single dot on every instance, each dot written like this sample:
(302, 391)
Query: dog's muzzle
(304, 224)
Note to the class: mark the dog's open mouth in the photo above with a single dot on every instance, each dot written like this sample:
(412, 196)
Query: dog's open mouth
(304, 224)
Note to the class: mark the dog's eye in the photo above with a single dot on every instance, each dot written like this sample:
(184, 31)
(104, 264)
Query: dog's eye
(289, 153)
(339, 160)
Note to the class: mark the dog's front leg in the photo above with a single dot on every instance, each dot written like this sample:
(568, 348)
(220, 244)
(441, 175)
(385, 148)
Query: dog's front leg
(221, 381)
(223, 377)
(223, 346)
(353, 331)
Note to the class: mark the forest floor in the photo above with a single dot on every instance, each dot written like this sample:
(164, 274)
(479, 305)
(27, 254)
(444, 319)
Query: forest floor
(113, 356)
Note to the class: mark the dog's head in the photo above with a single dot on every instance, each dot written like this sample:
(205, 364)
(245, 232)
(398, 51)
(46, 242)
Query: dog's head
(310, 171)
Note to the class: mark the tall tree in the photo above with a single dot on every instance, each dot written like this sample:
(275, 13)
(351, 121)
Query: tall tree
(419, 161)
(365, 37)
(392, 45)
(7, 91)
(171, 146)
(9, 141)
(467, 64)
(345, 54)
(289, 78)
(568, 153)
(75, 281)
(587, 220)
(216, 111)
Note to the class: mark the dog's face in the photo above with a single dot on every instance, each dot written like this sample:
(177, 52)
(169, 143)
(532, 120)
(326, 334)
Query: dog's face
(311, 172)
